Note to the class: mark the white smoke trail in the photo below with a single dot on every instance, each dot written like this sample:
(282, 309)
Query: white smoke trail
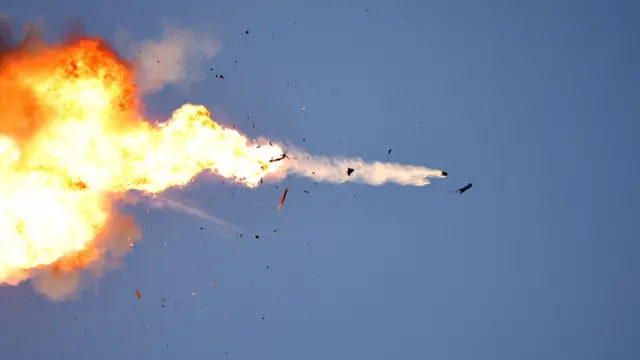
(334, 170)
(162, 202)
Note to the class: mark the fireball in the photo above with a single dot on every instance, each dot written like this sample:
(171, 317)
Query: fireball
(72, 140)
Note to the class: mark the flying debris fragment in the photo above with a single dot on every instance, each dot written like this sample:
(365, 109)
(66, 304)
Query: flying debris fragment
(138, 294)
(444, 173)
(350, 171)
(282, 157)
(462, 189)
(284, 196)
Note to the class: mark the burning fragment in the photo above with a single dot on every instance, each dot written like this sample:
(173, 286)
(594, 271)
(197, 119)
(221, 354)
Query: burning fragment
(350, 171)
(138, 294)
(284, 196)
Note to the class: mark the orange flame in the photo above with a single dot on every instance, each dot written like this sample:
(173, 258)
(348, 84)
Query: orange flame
(71, 140)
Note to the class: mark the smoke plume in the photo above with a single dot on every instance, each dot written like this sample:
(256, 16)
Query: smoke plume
(175, 58)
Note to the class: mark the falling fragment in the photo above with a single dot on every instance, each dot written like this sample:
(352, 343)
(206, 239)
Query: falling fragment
(389, 151)
(214, 282)
(256, 236)
(138, 294)
(276, 230)
(462, 189)
(241, 235)
(284, 196)
(193, 293)
(444, 173)
(350, 171)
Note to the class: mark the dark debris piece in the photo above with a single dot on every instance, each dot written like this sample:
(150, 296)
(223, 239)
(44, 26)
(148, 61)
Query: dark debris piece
(350, 171)
(462, 189)
(284, 196)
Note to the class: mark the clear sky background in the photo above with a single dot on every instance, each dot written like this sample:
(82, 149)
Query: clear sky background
(534, 102)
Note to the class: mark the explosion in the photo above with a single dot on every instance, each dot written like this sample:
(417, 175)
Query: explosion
(73, 142)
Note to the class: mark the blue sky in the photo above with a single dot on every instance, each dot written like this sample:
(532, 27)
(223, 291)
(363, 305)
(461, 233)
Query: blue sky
(535, 102)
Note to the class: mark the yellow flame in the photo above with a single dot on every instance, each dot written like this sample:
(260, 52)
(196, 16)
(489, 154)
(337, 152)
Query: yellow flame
(71, 140)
